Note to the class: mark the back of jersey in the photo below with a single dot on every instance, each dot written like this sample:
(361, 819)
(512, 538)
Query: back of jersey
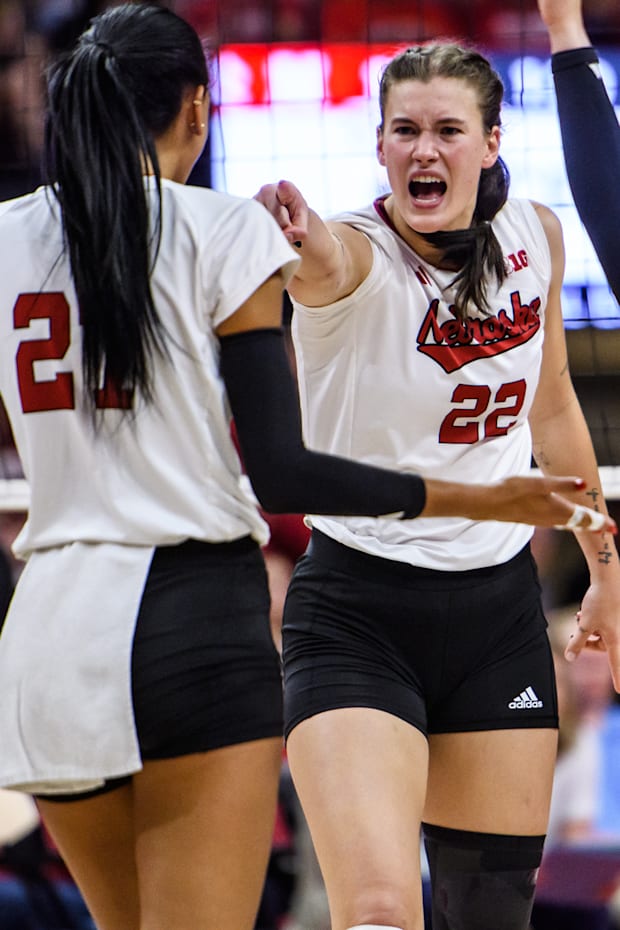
(153, 475)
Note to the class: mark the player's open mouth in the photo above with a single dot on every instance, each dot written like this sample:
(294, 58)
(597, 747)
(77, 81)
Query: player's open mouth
(427, 189)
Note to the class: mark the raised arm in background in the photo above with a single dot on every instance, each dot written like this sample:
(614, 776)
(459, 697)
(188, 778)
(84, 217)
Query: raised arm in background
(590, 130)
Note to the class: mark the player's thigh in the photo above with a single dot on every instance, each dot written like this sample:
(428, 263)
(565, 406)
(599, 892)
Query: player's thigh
(95, 836)
(204, 826)
(361, 777)
(495, 781)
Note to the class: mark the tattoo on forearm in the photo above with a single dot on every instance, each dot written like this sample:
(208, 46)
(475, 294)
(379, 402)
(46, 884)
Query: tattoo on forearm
(604, 554)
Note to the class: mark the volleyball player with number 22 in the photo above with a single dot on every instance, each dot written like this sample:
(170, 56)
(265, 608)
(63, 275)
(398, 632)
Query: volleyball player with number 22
(419, 684)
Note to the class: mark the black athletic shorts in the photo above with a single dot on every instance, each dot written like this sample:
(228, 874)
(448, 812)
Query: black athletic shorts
(446, 651)
(205, 672)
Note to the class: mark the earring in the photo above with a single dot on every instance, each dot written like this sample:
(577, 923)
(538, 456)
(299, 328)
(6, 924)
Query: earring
(197, 103)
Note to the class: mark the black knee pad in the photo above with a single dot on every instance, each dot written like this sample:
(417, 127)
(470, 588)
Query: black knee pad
(481, 881)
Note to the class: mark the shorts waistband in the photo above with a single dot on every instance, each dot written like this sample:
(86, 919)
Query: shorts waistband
(353, 561)
(197, 547)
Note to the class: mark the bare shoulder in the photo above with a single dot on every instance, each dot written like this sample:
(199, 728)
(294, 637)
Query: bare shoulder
(549, 220)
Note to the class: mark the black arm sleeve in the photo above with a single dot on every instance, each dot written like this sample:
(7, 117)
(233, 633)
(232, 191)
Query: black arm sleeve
(591, 141)
(287, 477)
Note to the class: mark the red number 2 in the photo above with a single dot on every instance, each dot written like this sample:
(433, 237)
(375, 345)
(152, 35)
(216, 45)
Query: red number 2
(463, 424)
(56, 393)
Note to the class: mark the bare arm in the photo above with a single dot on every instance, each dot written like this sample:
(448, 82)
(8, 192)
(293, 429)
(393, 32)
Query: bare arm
(556, 415)
(288, 477)
(564, 22)
(335, 258)
(516, 499)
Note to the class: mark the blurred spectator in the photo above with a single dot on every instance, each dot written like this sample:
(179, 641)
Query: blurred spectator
(512, 26)
(584, 813)
(589, 737)
(204, 17)
(22, 53)
(585, 693)
(297, 21)
(602, 21)
(244, 21)
(393, 21)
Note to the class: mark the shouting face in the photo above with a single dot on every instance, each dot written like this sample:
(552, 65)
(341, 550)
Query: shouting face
(434, 146)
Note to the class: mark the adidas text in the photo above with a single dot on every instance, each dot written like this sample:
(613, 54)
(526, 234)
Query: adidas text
(527, 699)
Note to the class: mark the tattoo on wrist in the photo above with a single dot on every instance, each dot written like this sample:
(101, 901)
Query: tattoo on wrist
(604, 554)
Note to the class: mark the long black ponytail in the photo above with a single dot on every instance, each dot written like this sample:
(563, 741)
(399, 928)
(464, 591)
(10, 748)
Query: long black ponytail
(108, 100)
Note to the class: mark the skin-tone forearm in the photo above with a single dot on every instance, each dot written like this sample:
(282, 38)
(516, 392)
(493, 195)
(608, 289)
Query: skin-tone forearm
(556, 412)
(527, 499)
(554, 455)
(597, 623)
(322, 263)
(560, 441)
(564, 22)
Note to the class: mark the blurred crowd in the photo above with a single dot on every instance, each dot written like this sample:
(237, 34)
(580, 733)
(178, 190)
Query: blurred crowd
(30, 30)
(311, 20)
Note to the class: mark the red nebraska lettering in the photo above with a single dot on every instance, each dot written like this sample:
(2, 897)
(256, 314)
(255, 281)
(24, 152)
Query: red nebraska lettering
(456, 342)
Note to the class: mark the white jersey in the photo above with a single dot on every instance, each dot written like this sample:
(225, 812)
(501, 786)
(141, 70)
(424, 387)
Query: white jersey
(170, 472)
(101, 500)
(389, 376)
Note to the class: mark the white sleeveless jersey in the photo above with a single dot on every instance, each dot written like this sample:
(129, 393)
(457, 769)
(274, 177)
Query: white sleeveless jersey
(171, 471)
(389, 376)
(101, 501)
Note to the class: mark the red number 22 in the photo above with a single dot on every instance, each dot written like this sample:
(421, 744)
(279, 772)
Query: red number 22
(463, 423)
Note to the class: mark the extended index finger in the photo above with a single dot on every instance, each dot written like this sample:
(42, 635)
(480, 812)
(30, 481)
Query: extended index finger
(576, 642)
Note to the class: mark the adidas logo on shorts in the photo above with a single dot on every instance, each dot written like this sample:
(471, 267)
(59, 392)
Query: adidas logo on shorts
(525, 700)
